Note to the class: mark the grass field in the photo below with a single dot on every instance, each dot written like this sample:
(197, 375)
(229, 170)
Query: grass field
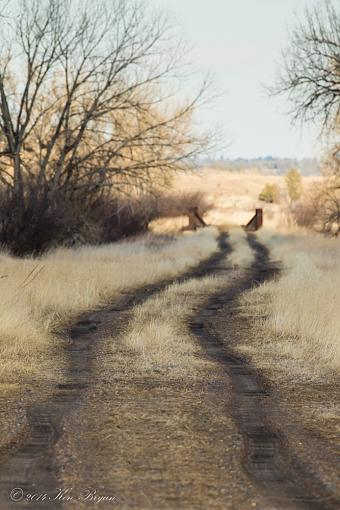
(297, 313)
(234, 195)
(41, 296)
(159, 331)
(231, 198)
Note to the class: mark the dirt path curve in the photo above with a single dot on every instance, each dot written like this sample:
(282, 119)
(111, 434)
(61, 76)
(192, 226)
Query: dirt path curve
(267, 459)
(31, 467)
(272, 468)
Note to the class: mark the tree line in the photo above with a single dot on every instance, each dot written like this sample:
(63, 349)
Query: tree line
(88, 108)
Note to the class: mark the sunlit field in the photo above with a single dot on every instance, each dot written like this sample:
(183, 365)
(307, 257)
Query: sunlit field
(39, 296)
(169, 254)
(297, 311)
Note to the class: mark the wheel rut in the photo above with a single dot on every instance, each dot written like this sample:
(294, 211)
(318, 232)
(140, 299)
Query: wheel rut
(268, 461)
(31, 466)
(289, 484)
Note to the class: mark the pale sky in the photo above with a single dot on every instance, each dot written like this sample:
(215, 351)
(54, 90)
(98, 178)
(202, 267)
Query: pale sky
(240, 42)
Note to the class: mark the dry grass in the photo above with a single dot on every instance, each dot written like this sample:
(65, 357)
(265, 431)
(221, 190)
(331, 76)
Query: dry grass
(169, 225)
(156, 419)
(242, 255)
(159, 332)
(297, 314)
(233, 196)
(38, 296)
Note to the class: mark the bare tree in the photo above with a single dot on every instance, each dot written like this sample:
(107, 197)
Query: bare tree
(320, 208)
(310, 76)
(311, 66)
(82, 98)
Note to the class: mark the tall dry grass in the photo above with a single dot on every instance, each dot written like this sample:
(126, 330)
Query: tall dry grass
(301, 323)
(159, 332)
(242, 255)
(39, 296)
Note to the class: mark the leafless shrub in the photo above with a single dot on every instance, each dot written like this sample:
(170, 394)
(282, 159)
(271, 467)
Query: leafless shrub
(172, 205)
(320, 208)
(34, 222)
(130, 216)
(41, 218)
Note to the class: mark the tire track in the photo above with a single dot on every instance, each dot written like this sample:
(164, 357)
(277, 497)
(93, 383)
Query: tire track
(32, 468)
(267, 460)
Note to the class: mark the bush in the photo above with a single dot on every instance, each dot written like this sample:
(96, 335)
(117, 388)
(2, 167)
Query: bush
(34, 221)
(304, 215)
(131, 216)
(181, 204)
(41, 219)
(270, 194)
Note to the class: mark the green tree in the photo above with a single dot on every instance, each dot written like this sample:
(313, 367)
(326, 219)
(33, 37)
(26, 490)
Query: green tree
(269, 194)
(294, 184)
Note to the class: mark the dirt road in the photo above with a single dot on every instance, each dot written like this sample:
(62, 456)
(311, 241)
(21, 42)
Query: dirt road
(115, 437)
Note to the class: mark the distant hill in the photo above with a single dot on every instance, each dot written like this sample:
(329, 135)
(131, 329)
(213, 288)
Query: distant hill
(267, 165)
